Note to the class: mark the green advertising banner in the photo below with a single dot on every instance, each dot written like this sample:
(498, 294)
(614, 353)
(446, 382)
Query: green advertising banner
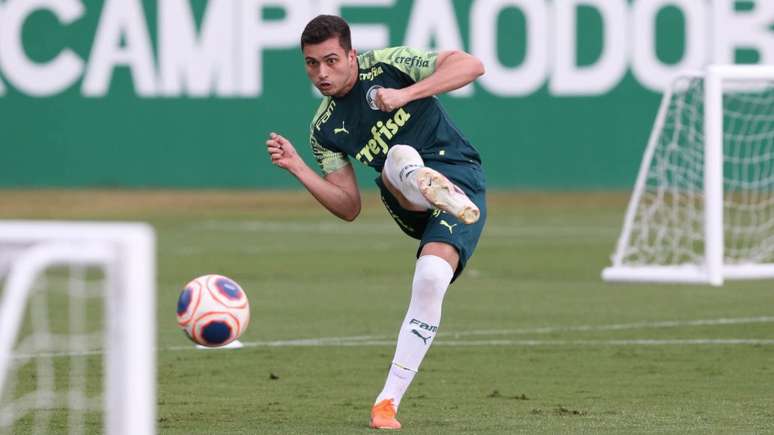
(183, 93)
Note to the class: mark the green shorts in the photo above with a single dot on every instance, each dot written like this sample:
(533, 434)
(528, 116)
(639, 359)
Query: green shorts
(439, 226)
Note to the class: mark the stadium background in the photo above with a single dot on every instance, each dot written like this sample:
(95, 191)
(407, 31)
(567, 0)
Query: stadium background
(96, 94)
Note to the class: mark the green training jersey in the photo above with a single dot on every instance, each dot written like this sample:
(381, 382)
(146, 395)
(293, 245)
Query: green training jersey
(353, 126)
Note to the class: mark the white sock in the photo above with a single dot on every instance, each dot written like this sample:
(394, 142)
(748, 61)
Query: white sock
(398, 380)
(400, 169)
(431, 279)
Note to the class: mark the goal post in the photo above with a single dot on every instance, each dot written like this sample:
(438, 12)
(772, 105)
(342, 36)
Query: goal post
(702, 209)
(123, 254)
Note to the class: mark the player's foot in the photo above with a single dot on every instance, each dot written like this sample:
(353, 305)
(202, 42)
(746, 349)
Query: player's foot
(383, 415)
(444, 195)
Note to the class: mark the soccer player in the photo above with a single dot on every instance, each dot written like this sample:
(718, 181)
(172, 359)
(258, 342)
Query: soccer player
(380, 108)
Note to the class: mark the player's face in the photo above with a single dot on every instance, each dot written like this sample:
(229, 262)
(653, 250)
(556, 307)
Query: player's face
(330, 68)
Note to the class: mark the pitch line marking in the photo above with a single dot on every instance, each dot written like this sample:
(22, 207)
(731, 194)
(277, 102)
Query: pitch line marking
(447, 339)
(553, 329)
(616, 327)
(514, 343)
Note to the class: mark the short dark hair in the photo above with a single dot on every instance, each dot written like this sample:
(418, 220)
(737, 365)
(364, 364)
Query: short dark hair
(324, 27)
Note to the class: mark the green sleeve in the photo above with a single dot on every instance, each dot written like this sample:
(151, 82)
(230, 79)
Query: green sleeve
(329, 161)
(415, 63)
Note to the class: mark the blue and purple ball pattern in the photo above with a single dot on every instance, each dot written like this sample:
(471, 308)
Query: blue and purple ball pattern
(229, 289)
(184, 301)
(216, 332)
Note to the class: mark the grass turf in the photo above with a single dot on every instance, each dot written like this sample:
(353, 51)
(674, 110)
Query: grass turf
(531, 340)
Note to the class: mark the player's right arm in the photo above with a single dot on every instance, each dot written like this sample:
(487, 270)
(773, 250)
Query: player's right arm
(337, 191)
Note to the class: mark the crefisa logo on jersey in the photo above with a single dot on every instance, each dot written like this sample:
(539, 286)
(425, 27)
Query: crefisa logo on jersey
(371, 96)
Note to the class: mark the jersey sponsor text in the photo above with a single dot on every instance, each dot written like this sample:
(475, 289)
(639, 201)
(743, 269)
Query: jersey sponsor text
(379, 133)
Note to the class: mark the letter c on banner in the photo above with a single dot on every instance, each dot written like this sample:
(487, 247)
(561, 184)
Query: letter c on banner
(37, 79)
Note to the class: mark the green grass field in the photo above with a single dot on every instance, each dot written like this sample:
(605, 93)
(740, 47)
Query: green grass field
(531, 341)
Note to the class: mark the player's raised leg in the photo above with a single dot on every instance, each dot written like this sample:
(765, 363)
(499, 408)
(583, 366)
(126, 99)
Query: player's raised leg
(425, 187)
(445, 195)
(432, 276)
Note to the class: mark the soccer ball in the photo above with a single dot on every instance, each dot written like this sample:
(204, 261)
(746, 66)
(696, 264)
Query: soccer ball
(213, 310)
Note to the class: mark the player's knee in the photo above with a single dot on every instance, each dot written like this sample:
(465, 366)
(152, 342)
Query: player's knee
(429, 286)
(398, 149)
(399, 153)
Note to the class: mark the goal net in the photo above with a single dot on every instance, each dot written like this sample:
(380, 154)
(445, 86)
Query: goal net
(77, 328)
(702, 209)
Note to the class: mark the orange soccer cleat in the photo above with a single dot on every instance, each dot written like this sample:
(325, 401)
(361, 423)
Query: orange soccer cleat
(383, 415)
(444, 195)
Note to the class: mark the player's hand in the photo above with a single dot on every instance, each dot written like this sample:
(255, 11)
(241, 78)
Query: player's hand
(387, 99)
(282, 152)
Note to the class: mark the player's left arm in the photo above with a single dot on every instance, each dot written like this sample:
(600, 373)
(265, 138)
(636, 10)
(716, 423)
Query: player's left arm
(453, 70)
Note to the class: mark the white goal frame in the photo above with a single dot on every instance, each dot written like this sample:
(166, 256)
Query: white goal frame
(713, 271)
(126, 253)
